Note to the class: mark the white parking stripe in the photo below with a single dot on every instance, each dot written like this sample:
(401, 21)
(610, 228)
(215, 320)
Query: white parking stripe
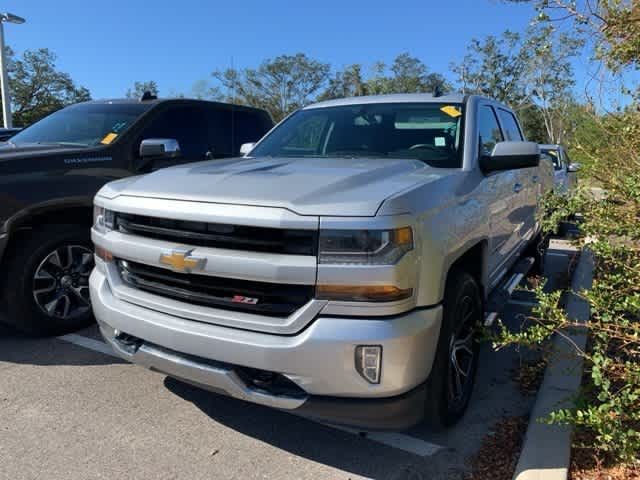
(391, 439)
(397, 440)
(88, 343)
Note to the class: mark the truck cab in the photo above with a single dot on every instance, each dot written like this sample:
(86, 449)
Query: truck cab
(50, 172)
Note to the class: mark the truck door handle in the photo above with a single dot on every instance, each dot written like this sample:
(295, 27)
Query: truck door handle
(517, 187)
(535, 178)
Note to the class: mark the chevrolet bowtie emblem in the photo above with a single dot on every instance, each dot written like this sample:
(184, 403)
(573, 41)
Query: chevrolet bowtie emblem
(182, 261)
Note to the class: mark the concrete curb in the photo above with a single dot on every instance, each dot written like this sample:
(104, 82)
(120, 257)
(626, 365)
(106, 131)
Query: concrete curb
(547, 448)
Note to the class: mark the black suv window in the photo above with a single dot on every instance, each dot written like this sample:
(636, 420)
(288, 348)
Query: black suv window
(490, 132)
(249, 127)
(219, 133)
(510, 126)
(229, 129)
(186, 124)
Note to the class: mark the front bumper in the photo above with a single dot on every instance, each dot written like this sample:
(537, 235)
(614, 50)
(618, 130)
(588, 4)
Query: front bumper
(319, 360)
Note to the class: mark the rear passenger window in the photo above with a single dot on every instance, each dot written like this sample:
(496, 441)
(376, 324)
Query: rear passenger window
(229, 129)
(489, 129)
(510, 125)
(220, 133)
(186, 124)
(249, 127)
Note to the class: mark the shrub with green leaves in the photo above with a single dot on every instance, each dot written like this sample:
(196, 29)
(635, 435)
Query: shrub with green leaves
(608, 407)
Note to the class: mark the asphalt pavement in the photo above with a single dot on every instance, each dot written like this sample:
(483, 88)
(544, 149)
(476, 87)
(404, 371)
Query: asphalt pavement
(70, 410)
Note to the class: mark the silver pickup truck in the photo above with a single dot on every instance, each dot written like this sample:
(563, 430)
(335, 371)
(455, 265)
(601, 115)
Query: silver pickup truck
(339, 270)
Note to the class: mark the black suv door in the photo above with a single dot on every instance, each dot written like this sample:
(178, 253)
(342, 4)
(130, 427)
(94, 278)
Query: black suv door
(185, 123)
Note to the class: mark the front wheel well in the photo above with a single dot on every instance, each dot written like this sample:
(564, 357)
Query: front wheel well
(23, 226)
(473, 261)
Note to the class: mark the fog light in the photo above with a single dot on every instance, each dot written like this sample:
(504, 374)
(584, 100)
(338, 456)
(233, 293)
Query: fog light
(369, 362)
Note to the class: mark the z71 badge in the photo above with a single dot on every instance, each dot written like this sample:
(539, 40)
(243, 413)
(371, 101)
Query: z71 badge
(244, 300)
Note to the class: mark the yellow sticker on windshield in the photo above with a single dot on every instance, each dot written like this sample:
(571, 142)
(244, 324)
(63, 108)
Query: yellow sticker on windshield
(110, 137)
(451, 111)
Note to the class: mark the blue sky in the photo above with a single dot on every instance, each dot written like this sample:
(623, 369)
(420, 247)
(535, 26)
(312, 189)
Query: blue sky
(106, 46)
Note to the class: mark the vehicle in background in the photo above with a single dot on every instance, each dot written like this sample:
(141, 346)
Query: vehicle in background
(565, 177)
(50, 172)
(7, 133)
(340, 270)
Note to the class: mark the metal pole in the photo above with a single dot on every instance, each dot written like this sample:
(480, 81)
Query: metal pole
(4, 83)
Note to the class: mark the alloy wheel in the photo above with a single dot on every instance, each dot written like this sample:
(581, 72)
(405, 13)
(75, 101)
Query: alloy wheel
(462, 355)
(61, 282)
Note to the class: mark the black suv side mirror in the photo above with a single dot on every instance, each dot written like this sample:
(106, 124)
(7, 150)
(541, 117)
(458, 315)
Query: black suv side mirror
(159, 148)
(510, 156)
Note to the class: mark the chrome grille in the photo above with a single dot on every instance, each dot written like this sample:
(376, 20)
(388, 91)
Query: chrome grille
(217, 235)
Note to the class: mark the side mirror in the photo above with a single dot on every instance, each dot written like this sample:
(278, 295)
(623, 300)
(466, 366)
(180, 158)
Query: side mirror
(573, 167)
(510, 156)
(159, 148)
(246, 148)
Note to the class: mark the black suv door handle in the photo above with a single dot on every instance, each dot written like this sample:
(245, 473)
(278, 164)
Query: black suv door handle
(535, 178)
(517, 187)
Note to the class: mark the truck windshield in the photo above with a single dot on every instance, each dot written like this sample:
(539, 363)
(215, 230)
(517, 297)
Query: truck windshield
(83, 125)
(430, 132)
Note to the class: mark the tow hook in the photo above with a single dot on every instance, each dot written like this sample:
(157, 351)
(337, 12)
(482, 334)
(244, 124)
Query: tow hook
(126, 342)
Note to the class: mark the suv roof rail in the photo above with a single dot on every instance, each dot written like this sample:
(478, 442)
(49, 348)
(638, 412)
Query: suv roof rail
(148, 96)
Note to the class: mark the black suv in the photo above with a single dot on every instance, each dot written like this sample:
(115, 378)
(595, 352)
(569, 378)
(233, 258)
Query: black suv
(50, 172)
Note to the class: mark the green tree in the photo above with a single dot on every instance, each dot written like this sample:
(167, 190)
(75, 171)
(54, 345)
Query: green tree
(202, 90)
(532, 73)
(346, 83)
(493, 67)
(279, 85)
(612, 26)
(548, 76)
(38, 88)
(408, 75)
(139, 88)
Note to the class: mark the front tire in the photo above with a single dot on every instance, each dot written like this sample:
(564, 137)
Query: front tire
(452, 377)
(46, 282)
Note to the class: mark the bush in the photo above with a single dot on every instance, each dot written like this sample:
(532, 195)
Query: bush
(608, 407)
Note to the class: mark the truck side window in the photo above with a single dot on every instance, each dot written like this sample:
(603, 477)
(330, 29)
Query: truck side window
(490, 132)
(510, 126)
(186, 124)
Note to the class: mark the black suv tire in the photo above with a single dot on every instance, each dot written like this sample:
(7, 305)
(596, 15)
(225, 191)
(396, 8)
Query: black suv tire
(59, 255)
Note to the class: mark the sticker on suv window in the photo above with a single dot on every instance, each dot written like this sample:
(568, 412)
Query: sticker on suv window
(109, 137)
(451, 111)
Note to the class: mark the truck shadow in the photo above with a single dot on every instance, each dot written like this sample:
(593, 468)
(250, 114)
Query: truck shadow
(18, 348)
(304, 438)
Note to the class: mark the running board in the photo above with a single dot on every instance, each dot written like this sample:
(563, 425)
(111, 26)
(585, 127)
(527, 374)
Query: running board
(501, 295)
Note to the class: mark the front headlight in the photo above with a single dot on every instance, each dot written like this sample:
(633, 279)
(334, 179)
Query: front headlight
(103, 219)
(364, 247)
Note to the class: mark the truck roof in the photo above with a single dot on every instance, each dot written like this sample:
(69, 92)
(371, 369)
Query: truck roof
(391, 98)
(156, 101)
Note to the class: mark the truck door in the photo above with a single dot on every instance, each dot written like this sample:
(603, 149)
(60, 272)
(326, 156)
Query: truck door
(185, 123)
(504, 192)
(528, 178)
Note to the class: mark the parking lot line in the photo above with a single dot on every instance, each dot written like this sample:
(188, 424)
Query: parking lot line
(88, 343)
(399, 441)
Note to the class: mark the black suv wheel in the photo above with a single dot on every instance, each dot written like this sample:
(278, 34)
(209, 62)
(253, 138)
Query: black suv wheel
(46, 282)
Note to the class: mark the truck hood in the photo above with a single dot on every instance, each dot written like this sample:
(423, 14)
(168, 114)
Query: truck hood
(12, 151)
(306, 186)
